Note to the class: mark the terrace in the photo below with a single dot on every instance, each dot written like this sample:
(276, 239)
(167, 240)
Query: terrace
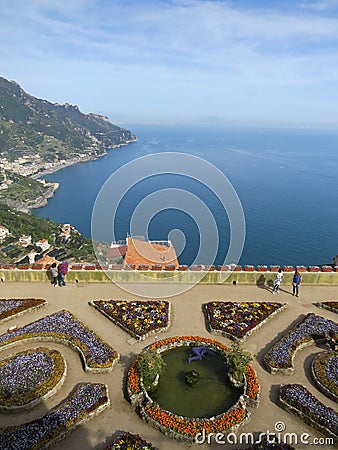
(188, 319)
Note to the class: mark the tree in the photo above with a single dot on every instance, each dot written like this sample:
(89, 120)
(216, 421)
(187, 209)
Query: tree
(150, 365)
(238, 359)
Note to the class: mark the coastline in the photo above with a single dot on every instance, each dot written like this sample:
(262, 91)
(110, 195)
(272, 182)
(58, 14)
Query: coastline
(50, 193)
(74, 161)
(41, 201)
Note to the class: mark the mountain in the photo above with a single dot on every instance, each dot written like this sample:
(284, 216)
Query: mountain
(30, 126)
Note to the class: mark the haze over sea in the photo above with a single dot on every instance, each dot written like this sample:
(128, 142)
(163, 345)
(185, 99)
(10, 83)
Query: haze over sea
(286, 180)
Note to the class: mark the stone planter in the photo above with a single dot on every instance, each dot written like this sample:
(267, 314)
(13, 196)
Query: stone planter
(274, 268)
(301, 268)
(183, 268)
(327, 268)
(249, 268)
(288, 269)
(262, 268)
(223, 268)
(238, 269)
(314, 269)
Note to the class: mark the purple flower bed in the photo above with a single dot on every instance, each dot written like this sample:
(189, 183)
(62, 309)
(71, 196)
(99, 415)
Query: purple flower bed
(236, 320)
(13, 306)
(325, 372)
(138, 318)
(298, 397)
(29, 375)
(86, 400)
(63, 326)
(312, 327)
(128, 441)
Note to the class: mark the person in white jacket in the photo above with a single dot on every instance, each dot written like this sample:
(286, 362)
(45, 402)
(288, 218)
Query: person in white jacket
(277, 282)
(54, 274)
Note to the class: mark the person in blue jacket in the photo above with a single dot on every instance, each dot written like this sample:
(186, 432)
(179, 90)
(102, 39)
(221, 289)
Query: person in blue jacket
(296, 281)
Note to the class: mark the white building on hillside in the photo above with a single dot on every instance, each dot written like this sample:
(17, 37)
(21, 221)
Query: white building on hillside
(4, 232)
(24, 241)
(43, 244)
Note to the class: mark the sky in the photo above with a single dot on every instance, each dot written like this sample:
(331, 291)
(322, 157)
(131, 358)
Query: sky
(178, 61)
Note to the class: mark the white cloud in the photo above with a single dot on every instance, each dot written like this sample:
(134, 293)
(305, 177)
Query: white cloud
(162, 55)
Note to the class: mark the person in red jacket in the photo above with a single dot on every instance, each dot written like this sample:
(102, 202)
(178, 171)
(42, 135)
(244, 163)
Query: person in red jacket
(62, 269)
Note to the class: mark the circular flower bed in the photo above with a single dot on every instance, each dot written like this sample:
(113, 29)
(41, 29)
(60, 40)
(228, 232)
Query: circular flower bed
(186, 428)
(239, 320)
(325, 373)
(30, 376)
(138, 318)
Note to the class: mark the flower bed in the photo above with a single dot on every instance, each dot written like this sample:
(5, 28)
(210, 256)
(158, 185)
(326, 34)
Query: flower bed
(270, 442)
(186, 428)
(65, 328)
(129, 441)
(138, 318)
(14, 307)
(296, 398)
(331, 306)
(325, 373)
(307, 331)
(29, 377)
(238, 320)
(86, 401)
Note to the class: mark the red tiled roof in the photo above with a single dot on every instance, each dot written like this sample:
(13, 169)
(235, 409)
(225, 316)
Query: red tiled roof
(141, 252)
(116, 252)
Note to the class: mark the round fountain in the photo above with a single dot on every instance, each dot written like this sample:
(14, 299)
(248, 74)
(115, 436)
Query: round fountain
(194, 391)
(212, 391)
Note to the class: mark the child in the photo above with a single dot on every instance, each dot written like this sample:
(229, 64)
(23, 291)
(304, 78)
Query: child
(277, 281)
(54, 273)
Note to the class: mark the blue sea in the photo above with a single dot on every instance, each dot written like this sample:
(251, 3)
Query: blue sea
(286, 181)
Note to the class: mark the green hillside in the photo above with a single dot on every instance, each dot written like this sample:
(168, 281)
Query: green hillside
(77, 247)
(31, 126)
